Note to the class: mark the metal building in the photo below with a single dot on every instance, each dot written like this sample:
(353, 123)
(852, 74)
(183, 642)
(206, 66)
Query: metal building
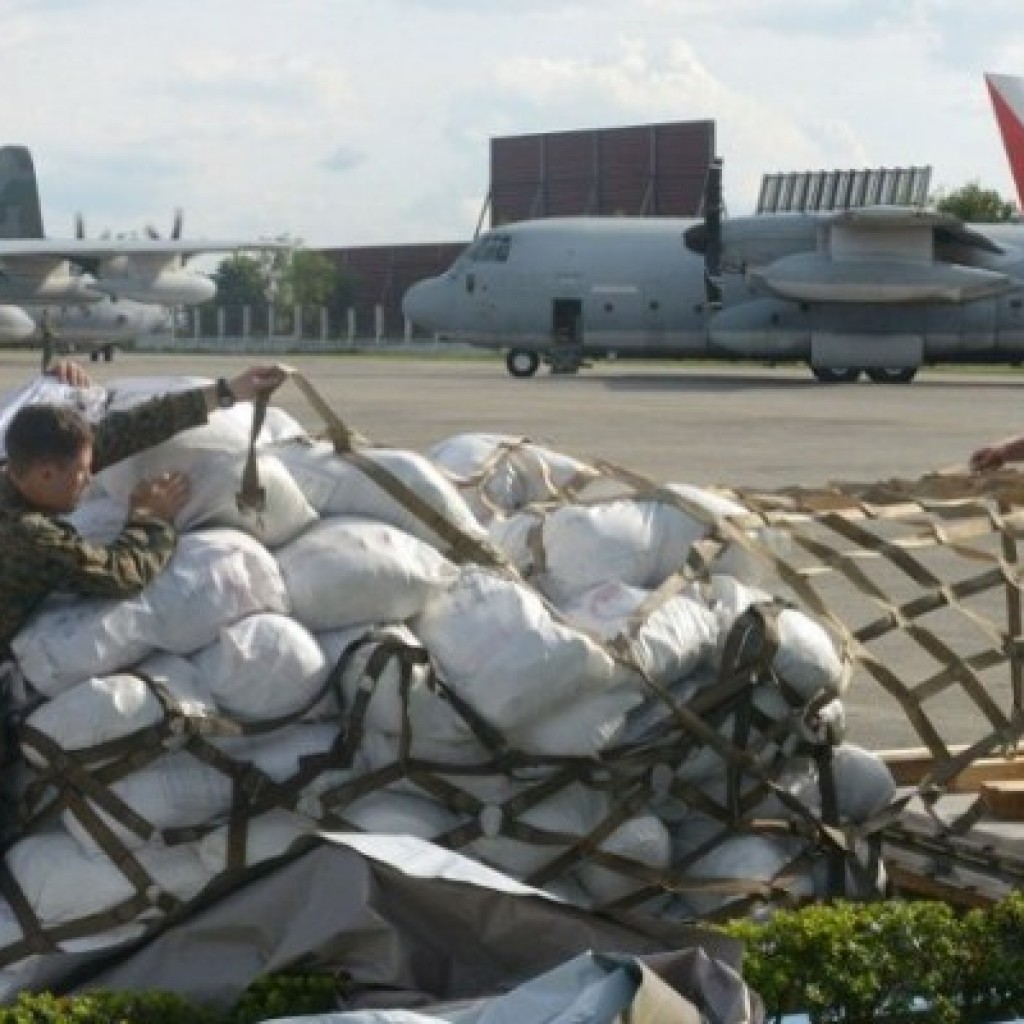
(638, 170)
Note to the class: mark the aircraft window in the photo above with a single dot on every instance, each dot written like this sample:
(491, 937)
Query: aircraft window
(470, 283)
(608, 307)
(492, 249)
(654, 305)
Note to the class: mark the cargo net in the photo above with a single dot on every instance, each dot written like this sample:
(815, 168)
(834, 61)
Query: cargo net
(632, 695)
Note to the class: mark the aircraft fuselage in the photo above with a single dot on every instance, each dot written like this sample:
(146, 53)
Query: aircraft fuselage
(883, 301)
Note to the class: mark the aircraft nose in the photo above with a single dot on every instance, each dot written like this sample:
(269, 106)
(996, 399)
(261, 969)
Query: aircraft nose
(425, 303)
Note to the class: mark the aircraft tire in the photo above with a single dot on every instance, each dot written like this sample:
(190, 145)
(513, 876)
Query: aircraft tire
(108, 353)
(521, 362)
(891, 375)
(835, 375)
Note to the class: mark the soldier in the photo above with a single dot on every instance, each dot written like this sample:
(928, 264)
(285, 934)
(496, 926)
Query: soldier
(52, 452)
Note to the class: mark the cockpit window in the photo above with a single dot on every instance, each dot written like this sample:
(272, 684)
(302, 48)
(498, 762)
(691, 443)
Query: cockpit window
(491, 249)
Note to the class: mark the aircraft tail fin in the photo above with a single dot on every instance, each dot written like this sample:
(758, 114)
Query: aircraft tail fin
(1007, 95)
(20, 212)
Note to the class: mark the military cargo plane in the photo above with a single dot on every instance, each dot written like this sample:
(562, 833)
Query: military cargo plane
(74, 285)
(878, 290)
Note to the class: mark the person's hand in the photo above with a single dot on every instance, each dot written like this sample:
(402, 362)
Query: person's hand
(67, 371)
(163, 496)
(257, 380)
(992, 457)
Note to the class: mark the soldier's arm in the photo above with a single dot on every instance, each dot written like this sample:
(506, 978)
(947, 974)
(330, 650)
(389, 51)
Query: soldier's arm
(121, 434)
(119, 569)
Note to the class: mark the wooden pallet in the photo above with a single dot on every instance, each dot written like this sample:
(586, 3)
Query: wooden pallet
(975, 867)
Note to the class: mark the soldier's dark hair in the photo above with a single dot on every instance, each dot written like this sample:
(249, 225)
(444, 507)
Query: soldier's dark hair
(45, 433)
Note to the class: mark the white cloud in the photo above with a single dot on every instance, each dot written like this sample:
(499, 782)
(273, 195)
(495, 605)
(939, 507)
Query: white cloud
(344, 122)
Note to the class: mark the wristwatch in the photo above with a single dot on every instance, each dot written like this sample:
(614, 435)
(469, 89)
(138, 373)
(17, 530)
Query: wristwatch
(225, 396)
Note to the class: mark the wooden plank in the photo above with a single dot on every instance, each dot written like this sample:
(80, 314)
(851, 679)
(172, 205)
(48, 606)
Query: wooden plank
(907, 881)
(909, 768)
(1004, 798)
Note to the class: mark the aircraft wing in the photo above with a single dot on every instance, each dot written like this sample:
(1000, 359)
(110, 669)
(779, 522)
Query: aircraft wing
(87, 248)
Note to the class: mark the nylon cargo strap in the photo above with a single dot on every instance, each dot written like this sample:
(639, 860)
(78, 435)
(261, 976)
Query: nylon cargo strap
(251, 498)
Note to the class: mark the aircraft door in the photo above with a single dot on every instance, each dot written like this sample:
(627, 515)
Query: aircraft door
(567, 322)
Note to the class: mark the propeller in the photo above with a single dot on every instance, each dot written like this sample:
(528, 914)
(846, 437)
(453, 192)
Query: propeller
(713, 243)
(706, 237)
(176, 225)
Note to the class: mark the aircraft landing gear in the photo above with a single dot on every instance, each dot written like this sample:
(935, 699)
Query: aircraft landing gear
(892, 375)
(835, 374)
(522, 362)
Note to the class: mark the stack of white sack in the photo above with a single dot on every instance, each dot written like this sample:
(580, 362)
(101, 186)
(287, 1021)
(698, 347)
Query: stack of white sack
(353, 658)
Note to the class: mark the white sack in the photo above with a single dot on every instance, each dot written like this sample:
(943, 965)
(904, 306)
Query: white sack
(335, 485)
(267, 836)
(500, 649)
(405, 814)
(643, 839)
(496, 472)
(742, 859)
(671, 641)
(574, 811)
(111, 707)
(346, 572)
(265, 666)
(215, 478)
(62, 883)
(71, 639)
(581, 727)
(864, 784)
(476, 775)
(640, 543)
(177, 790)
(430, 713)
(215, 578)
(807, 658)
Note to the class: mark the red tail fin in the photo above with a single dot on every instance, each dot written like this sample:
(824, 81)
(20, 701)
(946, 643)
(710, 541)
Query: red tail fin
(1007, 93)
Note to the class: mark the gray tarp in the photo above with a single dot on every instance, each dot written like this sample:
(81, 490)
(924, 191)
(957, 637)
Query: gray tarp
(410, 925)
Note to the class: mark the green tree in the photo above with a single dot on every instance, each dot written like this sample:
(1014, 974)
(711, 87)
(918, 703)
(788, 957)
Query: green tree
(241, 281)
(975, 205)
(310, 278)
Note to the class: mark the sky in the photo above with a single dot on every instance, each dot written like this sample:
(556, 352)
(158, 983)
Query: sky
(368, 122)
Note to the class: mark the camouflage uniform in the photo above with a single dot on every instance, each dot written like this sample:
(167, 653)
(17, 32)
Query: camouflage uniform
(41, 554)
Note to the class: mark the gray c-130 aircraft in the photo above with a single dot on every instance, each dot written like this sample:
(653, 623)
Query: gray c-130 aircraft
(91, 293)
(879, 290)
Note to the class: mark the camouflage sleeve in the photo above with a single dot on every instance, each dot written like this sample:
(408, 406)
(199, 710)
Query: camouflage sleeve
(68, 563)
(121, 434)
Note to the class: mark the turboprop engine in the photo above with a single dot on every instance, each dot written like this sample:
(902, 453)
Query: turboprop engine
(15, 324)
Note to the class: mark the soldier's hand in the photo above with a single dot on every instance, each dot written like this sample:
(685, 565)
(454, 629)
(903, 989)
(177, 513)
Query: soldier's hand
(257, 380)
(992, 457)
(69, 372)
(163, 496)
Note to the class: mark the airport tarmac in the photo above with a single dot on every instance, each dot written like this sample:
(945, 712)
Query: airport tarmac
(753, 426)
(731, 425)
